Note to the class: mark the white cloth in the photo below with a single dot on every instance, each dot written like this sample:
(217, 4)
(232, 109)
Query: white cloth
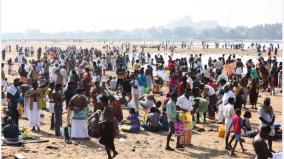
(185, 103)
(228, 113)
(51, 107)
(79, 129)
(12, 90)
(211, 90)
(34, 116)
(227, 96)
(239, 70)
(27, 107)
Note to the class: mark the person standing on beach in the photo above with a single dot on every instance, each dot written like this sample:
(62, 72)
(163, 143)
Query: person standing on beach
(35, 94)
(78, 107)
(13, 95)
(229, 113)
(107, 125)
(267, 117)
(172, 118)
(58, 97)
(51, 103)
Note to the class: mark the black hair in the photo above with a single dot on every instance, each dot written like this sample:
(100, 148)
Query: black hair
(104, 99)
(231, 100)
(131, 110)
(247, 114)
(158, 104)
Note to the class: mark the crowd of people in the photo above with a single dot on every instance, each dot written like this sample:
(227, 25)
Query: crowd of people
(75, 80)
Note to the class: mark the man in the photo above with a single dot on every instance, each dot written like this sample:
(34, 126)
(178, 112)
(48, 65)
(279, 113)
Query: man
(228, 93)
(96, 92)
(69, 92)
(229, 113)
(259, 144)
(87, 82)
(34, 94)
(267, 117)
(34, 74)
(11, 131)
(58, 97)
(51, 104)
(172, 117)
(3, 54)
(107, 131)
(79, 105)
(59, 77)
(13, 94)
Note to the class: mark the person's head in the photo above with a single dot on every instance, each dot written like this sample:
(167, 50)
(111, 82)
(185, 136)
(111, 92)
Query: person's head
(17, 82)
(87, 70)
(196, 91)
(227, 88)
(71, 84)
(158, 104)
(104, 100)
(132, 111)
(164, 109)
(264, 132)
(266, 102)
(152, 109)
(247, 114)
(58, 87)
(238, 112)
(231, 100)
(174, 96)
(187, 92)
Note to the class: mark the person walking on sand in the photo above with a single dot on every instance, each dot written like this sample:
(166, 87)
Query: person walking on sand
(13, 94)
(51, 104)
(58, 97)
(237, 126)
(107, 131)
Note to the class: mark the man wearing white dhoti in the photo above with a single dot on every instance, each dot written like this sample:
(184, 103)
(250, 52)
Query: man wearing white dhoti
(34, 116)
(78, 107)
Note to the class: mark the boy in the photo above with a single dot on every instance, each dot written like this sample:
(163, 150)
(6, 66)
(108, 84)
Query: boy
(237, 126)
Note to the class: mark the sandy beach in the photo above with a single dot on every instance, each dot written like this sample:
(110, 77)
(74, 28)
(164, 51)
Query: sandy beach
(145, 144)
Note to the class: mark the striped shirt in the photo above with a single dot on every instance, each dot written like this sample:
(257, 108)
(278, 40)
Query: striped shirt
(11, 131)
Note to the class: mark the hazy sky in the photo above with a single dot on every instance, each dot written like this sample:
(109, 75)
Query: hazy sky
(96, 15)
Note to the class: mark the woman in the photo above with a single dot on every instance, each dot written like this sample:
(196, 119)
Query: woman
(253, 93)
(149, 77)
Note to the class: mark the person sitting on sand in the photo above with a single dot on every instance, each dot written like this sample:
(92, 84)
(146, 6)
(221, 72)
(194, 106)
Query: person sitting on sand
(11, 132)
(164, 124)
(132, 124)
(152, 121)
(246, 122)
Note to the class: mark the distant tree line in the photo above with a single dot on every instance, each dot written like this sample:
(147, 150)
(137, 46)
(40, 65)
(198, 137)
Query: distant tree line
(258, 32)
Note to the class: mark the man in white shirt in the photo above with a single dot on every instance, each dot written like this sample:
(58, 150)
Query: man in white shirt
(20, 59)
(184, 102)
(219, 67)
(224, 101)
(228, 113)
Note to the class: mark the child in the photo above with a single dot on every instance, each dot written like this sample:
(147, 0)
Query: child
(237, 126)
(164, 120)
(249, 131)
(157, 106)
